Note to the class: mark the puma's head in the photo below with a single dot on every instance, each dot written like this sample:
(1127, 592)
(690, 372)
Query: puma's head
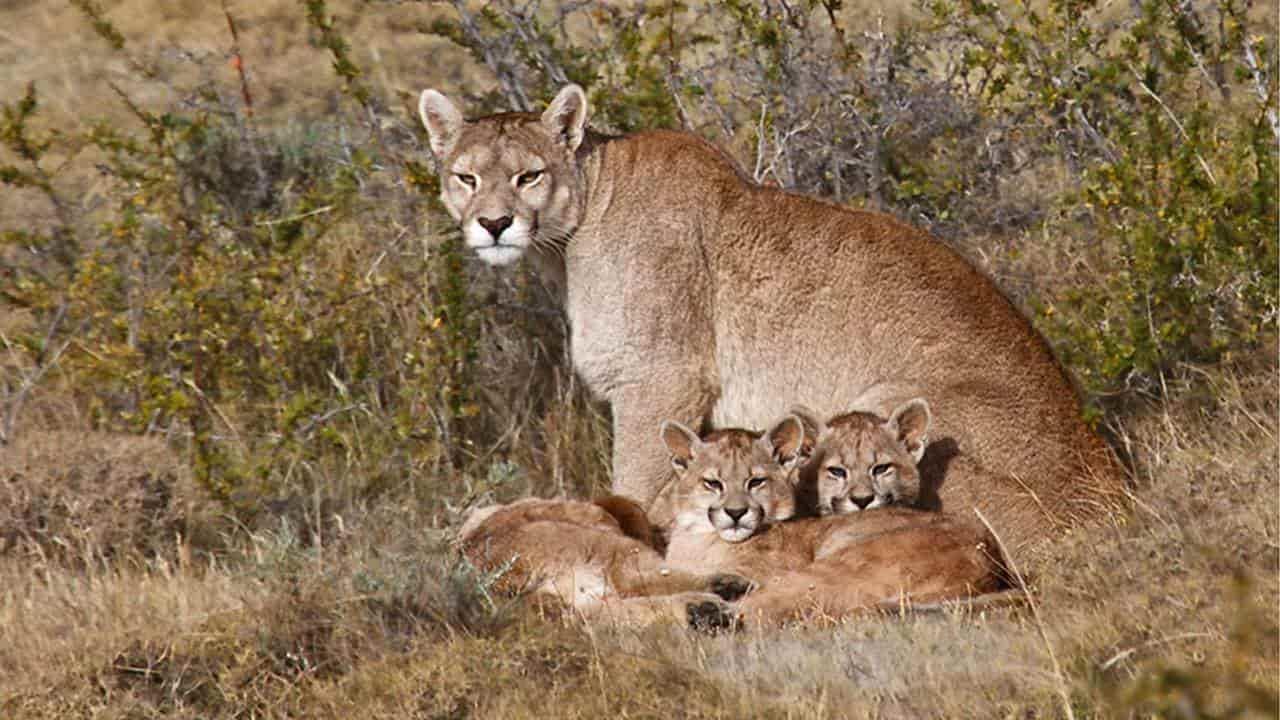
(861, 461)
(510, 180)
(734, 482)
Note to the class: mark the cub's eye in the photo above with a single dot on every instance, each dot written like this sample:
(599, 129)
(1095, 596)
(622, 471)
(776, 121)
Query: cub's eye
(712, 485)
(837, 472)
(881, 469)
(756, 482)
(528, 178)
(465, 179)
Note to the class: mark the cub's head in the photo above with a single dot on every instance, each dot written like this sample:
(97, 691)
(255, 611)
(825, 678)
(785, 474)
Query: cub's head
(734, 482)
(861, 461)
(510, 180)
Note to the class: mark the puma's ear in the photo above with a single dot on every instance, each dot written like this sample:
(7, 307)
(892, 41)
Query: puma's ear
(442, 120)
(681, 442)
(786, 440)
(909, 423)
(566, 116)
(813, 428)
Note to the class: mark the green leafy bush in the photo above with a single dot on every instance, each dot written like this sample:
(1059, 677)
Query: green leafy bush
(1165, 118)
(273, 299)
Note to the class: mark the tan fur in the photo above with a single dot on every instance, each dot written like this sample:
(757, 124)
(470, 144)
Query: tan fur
(695, 294)
(584, 556)
(861, 461)
(828, 567)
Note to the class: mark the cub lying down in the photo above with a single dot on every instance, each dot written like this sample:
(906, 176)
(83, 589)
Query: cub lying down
(731, 491)
(599, 559)
(728, 497)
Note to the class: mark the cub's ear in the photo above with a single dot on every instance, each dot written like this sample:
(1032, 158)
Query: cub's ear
(681, 442)
(442, 120)
(566, 116)
(813, 428)
(909, 423)
(786, 441)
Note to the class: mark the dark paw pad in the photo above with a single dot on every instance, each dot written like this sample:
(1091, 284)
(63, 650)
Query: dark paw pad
(713, 617)
(730, 587)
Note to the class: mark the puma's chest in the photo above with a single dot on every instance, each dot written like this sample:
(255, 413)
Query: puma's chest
(594, 309)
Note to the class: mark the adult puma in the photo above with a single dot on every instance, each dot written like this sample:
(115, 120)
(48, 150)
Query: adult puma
(693, 293)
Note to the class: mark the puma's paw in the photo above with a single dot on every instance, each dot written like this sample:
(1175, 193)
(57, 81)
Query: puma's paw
(713, 617)
(729, 586)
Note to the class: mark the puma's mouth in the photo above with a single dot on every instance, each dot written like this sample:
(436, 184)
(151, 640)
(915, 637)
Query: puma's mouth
(502, 248)
(500, 254)
(731, 529)
(736, 534)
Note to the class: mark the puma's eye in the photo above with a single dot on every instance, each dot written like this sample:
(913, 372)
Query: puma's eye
(837, 472)
(712, 485)
(529, 178)
(881, 469)
(465, 179)
(756, 482)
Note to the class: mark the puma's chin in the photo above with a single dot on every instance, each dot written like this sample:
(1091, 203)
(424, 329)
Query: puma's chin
(736, 534)
(500, 255)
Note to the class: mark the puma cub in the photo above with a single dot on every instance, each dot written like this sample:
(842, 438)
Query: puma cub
(598, 559)
(603, 559)
(859, 460)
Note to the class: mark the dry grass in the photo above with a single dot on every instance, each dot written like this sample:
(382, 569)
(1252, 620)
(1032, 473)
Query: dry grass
(59, 51)
(1172, 608)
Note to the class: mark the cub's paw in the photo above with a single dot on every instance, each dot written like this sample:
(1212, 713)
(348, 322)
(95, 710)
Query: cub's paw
(713, 617)
(729, 586)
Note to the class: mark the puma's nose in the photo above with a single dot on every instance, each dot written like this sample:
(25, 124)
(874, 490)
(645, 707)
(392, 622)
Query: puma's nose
(862, 501)
(495, 226)
(735, 513)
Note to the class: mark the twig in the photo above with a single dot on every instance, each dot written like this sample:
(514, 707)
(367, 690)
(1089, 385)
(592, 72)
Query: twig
(325, 417)
(237, 62)
(1035, 614)
(1000, 600)
(19, 398)
(295, 218)
(1152, 643)
(1255, 71)
(512, 87)
(216, 411)
(1181, 130)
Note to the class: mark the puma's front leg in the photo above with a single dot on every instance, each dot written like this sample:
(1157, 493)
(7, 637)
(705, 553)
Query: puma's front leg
(641, 467)
(699, 610)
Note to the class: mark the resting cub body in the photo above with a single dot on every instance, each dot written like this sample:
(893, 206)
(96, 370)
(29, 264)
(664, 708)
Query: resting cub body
(602, 559)
(598, 559)
(732, 491)
(831, 566)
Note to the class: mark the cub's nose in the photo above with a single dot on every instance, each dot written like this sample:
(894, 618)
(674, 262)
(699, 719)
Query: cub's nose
(862, 501)
(735, 513)
(495, 226)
